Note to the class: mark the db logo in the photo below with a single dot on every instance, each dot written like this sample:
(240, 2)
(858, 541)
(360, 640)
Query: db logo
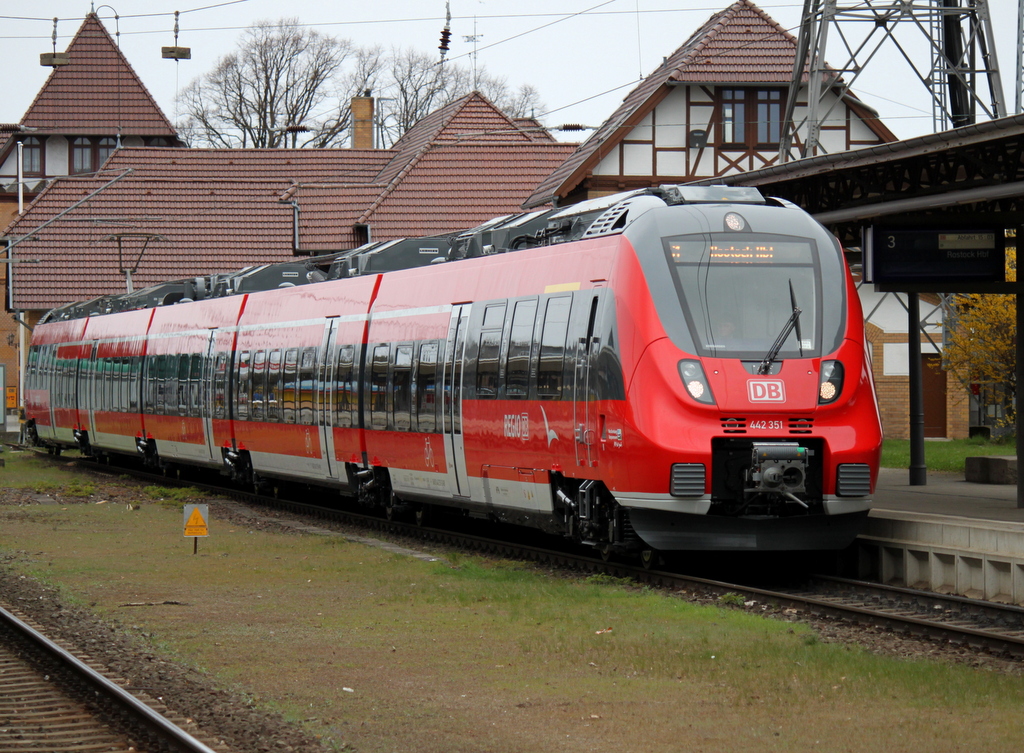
(766, 391)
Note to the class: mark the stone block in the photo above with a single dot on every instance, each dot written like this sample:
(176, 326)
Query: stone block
(991, 469)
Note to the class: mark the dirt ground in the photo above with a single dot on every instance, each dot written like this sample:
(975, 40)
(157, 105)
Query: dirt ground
(288, 636)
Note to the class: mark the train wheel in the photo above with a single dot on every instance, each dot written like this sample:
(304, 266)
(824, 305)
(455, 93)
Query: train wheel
(422, 516)
(606, 552)
(648, 558)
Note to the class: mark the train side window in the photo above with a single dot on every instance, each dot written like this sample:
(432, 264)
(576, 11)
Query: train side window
(291, 369)
(487, 363)
(184, 368)
(259, 384)
(148, 395)
(195, 385)
(102, 385)
(274, 386)
(134, 383)
(220, 379)
(344, 389)
(109, 385)
(379, 387)
(33, 361)
(426, 388)
(120, 380)
(401, 388)
(489, 352)
(517, 370)
(113, 388)
(171, 369)
(242, 389)
(159, 383)
(307, 373)
(552, 348)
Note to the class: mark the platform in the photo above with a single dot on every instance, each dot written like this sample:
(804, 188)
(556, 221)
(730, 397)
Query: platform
(949, 535)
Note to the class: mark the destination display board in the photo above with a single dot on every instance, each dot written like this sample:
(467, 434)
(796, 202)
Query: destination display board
(947, 258)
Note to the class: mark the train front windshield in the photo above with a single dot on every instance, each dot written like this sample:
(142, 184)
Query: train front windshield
(740, 293)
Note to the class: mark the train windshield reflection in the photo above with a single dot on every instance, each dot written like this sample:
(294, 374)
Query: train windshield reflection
(735, 292)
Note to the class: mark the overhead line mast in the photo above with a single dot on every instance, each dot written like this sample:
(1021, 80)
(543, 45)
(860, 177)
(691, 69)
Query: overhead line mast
(962, 52)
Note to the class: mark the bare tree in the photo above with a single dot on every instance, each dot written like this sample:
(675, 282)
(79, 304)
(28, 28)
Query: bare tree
(415, 85)
(281, 75)
(283, 78)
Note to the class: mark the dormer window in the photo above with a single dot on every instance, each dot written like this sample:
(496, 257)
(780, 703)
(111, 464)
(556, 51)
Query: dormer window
(751, 118)
(32, 155)
(87, 154)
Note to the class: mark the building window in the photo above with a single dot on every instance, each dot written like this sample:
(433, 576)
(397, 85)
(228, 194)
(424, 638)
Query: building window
(81, 155)
(87, 155)
(104, 148)
(733, 116)
(32, 155)
(750, 117)
(769, 115)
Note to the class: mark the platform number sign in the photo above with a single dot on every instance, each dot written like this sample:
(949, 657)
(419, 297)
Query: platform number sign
(929, 255)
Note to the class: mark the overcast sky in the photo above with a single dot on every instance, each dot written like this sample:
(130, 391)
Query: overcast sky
(583, 56)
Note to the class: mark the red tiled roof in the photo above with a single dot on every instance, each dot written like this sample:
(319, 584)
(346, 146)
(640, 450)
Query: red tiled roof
(345, 165)
(533, 128)
(220, 210)
(471, 117)
(96, 93)
(471, 182)
(212, 226)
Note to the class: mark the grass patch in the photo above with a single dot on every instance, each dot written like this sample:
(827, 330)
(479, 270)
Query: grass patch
(173, 496)
(492, 655)
(945, 456)
(30, 471)
(77, 487)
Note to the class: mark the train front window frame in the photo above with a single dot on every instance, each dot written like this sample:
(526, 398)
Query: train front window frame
(738, 290)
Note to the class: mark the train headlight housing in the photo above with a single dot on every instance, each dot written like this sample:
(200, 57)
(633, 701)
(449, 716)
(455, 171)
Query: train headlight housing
(831, 385)
(696, 383)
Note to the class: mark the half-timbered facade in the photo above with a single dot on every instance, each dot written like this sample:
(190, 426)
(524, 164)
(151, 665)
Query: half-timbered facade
(714, 107)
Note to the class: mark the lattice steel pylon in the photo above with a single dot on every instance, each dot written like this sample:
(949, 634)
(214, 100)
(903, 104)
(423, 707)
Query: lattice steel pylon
(959, 36)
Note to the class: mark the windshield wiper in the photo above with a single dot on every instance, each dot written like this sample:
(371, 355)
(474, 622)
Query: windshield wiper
(792, 323)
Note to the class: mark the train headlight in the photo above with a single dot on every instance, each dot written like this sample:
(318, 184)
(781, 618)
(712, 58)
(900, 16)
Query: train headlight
(696, 383)
(831, 382)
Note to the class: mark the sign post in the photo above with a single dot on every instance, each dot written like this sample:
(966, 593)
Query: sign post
(195, 523)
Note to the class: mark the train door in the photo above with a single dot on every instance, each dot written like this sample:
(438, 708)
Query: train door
(87, 380)
(584, 398)
(209, 393)
(325, 397)
(455, 449)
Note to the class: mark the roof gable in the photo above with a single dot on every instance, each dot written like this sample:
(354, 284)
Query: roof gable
(741, 45)
(98, 93)
(471, 117)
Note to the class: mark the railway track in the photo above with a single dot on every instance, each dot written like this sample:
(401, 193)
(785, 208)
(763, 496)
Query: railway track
(53, 701)
(988, 626)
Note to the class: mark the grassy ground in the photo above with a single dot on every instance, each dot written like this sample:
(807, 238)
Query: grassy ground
(945, 456)
(382, 652)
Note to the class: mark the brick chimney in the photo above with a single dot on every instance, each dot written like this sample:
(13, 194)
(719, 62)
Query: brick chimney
(362, 121)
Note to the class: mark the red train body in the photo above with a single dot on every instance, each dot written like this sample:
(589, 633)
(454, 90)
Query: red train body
(661, 370)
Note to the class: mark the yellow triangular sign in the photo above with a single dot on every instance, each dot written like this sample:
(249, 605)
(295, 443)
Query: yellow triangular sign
(195, 525)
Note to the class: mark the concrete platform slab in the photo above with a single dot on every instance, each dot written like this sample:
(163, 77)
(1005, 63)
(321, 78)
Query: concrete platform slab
(949, 535)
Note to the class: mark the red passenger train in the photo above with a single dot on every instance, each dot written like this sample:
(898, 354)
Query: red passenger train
(669, 369)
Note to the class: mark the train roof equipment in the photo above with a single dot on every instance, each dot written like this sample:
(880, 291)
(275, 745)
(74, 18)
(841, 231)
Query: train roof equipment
(605, 215)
